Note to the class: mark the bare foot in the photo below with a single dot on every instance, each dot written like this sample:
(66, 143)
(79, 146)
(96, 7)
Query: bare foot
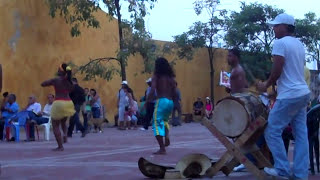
(65, 139)
(160, 152)
(167, 142)
(58, 149)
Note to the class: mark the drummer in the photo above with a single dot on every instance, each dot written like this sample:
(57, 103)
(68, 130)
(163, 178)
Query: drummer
(238, 81)
(239, 84)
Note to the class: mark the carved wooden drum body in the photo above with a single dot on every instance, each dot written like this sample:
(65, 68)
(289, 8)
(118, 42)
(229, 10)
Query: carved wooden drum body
(233, 114)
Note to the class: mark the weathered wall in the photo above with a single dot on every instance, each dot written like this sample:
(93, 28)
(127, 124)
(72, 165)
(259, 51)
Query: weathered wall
(32, 45)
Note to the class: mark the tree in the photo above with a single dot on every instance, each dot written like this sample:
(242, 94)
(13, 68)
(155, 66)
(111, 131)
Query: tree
(308, 30)
(248, 30)
(201, 35)
(133, 38)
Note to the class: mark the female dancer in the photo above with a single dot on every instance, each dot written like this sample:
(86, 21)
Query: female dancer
(62, 107)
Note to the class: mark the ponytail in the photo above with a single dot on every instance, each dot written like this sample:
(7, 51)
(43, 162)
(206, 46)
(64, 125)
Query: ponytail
(68, 72)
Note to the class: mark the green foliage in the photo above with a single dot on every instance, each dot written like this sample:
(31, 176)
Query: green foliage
(255, 65)
(248, 31)
(308, 30)
(75, 12)
(132, 34)
(202, 35)
(100, 67)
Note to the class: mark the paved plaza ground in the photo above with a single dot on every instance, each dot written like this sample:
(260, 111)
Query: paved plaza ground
(110, 155)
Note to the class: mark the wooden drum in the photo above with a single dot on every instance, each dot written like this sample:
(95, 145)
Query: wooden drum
(233, 114)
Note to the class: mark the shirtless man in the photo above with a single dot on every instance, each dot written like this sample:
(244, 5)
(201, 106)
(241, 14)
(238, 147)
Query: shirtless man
(165, 85)
(238, 81)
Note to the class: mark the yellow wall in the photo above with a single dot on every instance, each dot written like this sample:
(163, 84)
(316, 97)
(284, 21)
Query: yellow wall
(32, 45)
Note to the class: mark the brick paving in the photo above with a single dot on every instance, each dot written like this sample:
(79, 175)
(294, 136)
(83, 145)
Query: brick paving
(110, 155)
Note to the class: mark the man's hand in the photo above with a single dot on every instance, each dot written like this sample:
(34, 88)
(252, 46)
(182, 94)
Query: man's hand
(262, 86)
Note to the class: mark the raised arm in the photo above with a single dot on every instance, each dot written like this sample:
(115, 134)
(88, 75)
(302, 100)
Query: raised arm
(49, 82)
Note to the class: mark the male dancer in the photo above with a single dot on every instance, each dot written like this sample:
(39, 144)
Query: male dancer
(165, 85)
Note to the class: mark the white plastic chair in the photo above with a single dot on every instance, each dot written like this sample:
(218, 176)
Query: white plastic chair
(46, 129)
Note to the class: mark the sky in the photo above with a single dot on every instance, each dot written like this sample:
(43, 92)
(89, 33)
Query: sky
(173, 17)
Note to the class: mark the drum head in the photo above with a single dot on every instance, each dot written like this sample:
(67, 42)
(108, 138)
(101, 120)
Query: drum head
(230, 117)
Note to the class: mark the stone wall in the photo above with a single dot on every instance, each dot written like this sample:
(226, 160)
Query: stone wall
(32, 45)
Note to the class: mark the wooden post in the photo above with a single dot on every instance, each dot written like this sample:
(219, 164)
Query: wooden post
(238, 149)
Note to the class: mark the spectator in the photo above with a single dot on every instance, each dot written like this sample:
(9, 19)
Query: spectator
(4, 100)
(149, 107)
(33, 105)
(10, 109)
(142, 110)
(132, 109)
(123, 102)
(198, 107)
(42, 117)
(95, 106)
(78, 98)
(86, 112)
(177, 107)
(209, 108)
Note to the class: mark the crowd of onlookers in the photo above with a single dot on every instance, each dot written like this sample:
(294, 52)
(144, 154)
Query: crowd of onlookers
(85, 101)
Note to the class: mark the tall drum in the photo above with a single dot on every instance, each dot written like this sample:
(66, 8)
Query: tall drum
(233, 114)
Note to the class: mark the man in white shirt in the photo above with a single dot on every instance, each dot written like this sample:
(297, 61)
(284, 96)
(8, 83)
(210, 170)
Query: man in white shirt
(41, 117)
(292, 100)
(33, 105)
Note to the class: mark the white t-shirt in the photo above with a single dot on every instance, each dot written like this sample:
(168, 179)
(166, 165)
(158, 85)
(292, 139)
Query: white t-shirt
(35, 107)
(47, 110)
(291, 83)
(124, 100)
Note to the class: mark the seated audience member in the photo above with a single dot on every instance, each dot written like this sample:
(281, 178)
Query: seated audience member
(30, 112)
(42, 117)
(5, 99)
(33, 105)
(9, 110)
(198, 107)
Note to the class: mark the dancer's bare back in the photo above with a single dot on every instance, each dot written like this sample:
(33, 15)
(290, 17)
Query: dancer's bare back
(165, 86)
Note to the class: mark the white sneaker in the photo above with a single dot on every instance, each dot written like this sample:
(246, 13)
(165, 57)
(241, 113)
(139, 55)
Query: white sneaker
(273, 172)
(239, 168)
(143, 129)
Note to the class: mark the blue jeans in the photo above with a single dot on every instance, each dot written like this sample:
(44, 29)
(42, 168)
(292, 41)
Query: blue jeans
(287, 111)
(39, 120)
(95, 112)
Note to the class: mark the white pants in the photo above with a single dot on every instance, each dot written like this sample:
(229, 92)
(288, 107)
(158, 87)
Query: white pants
(121, 112)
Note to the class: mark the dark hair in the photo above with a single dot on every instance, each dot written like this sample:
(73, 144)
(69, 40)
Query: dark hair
(74, 80)
(235, 51)
(291, 28)
(162, 67)
(95, 92)
(67, 72)
(125, 86)
(131, 91)
(5, 94)
(14, 96)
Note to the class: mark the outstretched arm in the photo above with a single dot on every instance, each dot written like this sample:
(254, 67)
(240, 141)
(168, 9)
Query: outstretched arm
(47, 83)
